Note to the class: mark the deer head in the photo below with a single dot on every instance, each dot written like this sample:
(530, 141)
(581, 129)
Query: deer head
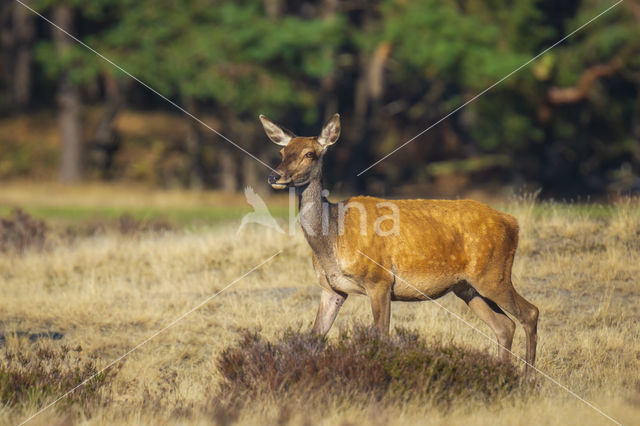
(301, 156)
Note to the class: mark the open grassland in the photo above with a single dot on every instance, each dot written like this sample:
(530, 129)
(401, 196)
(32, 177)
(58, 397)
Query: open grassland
(74, 305)
(69, 206)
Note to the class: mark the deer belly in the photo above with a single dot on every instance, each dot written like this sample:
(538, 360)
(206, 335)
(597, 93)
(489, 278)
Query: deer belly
(421, 288)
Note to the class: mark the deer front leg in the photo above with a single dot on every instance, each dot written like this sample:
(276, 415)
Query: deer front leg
(381, 307)
(330, 303)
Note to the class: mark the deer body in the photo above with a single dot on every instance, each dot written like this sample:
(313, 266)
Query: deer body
(439, 243)
(438, 246)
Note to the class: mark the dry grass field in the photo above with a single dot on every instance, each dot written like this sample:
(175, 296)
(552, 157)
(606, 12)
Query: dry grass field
(96, 295)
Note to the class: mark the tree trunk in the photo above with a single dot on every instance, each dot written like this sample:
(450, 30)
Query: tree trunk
(23, 33)
(369, 89)
(273, 8)
(228, 169)
(194, 145)
(328, 82)
(106, 142)
(6, 44)
(251, 172)
(246, 170)
(69, 104)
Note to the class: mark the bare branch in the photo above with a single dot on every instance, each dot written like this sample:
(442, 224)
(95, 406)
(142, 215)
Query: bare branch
(566, 95)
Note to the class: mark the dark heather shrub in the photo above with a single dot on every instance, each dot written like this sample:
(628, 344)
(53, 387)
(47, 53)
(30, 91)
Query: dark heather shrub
(362, 365)
(20, 232)
(125, 225)
(37, 374)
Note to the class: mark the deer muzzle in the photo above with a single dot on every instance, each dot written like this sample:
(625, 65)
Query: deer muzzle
(274, 180)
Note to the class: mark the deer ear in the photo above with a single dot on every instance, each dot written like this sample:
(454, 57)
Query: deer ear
(278, 135)
(330, 132)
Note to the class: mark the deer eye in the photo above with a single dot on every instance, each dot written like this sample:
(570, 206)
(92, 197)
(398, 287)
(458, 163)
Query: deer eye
(309, 154)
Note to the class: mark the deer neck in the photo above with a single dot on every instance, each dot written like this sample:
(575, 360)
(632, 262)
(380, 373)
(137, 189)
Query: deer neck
(319, 221)
(315, 215)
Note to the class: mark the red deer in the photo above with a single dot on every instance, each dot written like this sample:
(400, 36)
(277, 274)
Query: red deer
(420, 250)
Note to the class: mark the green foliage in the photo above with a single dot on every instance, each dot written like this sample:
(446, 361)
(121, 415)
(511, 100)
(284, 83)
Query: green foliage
(81, 64)
(440, 40)
(235, 60)
(225, 52)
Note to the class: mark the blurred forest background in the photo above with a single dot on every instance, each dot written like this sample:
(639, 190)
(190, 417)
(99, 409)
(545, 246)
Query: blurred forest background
(569, 123)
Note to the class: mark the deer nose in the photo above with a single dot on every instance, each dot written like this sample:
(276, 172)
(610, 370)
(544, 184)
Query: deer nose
(273, 178)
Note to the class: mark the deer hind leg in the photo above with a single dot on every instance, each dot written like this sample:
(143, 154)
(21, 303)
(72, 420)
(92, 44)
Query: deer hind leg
(380, 297)
(330, 303)
(527, 314)
(492, 315)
